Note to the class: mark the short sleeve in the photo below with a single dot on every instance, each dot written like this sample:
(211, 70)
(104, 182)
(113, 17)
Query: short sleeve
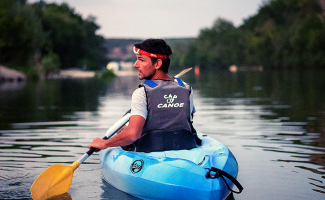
(139, 103)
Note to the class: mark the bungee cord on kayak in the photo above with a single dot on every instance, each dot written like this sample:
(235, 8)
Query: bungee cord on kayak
(221, 173)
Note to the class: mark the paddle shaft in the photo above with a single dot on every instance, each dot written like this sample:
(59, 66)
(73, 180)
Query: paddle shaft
(109, 133)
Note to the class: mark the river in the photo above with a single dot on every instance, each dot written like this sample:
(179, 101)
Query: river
(272, 121)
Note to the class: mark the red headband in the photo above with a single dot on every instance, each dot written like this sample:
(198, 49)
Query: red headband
(142, 52)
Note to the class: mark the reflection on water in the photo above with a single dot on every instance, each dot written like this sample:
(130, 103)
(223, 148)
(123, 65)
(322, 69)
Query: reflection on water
(65, 196)
(273, 122)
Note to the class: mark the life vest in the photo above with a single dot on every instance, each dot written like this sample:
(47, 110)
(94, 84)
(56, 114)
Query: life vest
(168, 125)
(168, 105)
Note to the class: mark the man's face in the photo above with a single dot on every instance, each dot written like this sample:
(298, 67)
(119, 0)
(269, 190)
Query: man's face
(145, 67)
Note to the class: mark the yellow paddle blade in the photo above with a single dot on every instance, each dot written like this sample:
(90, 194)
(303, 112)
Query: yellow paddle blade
(55, 180)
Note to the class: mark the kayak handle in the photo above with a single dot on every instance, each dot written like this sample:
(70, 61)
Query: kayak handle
(220, 173)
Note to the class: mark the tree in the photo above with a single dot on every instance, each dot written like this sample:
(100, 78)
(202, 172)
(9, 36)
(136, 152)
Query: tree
(284, 34)
(20, 33)
(94, 49)
(288, 34)
(220, 46)
(65, 33)
(72, 38)
(53, 35)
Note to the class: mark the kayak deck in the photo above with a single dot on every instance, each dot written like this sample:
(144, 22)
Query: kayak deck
(170, 174)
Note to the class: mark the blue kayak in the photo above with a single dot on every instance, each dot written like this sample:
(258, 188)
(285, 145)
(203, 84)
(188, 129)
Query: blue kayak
(206, 172)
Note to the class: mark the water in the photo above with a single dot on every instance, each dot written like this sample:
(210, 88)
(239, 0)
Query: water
(273, 122)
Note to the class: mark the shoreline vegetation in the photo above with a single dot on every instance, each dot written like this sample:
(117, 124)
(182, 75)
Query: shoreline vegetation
(42, 38)
(10, 75)
(45, 40)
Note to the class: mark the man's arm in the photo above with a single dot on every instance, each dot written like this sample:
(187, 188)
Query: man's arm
(127, 136)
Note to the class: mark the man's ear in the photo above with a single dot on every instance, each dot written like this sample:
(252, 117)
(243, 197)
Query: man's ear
(158, 64)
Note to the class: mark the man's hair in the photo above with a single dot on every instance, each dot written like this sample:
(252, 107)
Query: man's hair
(157, 46)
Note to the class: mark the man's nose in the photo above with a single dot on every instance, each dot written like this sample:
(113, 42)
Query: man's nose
(135, 64)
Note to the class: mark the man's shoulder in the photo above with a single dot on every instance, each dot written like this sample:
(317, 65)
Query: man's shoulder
(139, 90)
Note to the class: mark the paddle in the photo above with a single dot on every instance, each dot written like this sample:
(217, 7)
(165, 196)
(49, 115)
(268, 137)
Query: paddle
(57, 179)
(182, 72)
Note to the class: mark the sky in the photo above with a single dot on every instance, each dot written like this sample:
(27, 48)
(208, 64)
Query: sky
(143, 19)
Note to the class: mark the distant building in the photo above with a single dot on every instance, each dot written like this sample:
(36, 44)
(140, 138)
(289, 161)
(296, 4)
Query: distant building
(114, 66)
(122, 68)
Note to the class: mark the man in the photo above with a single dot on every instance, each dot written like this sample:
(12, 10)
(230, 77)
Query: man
(161, 108)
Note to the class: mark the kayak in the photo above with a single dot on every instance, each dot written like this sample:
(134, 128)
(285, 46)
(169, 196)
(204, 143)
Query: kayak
(206, 172)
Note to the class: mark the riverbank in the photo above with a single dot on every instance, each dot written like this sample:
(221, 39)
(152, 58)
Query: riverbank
(72, 73)
(8, 75)
(11, 75)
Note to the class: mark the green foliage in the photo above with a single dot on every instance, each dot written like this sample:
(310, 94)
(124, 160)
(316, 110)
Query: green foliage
(179, 46)
(94, 46)
(107, 74)
(21, 32)
(284, 34)
(50, 62)
(72, 38)
(61, 37)
(64, 33)
(218, 47)
(288, 34)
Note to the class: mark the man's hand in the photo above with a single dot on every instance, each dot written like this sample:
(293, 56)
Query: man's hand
(98, 143)
(126, 135)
